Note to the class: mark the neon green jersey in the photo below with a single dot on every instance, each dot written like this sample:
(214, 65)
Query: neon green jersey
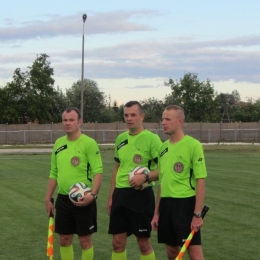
(75, 161)
(135, 150)
(180, 164)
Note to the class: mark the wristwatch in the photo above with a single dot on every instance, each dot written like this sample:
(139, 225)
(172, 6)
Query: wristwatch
(94, 195)
(197, 214)
(146, 175)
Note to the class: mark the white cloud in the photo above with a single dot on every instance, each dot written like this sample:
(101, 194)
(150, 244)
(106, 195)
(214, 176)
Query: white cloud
(150, 60)
(97, 23)
(127, 55)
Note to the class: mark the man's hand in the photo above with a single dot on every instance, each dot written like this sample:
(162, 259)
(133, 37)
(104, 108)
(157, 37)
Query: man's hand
(109, 205)
(49, 207)
(196, 223)
(137, 180)
(155, 222)
(84, 201)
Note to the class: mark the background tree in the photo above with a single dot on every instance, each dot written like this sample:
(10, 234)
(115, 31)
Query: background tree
(110, 113)
(169, 99)
(153, 109)
(14, 99)
(8, 108)
(30, 94)
(195, 97)
(118, 112)
(236, 96)
(226, 106)
(94, 104)
(58, 105)
(228, 103)
(248, 112)
(41, 90)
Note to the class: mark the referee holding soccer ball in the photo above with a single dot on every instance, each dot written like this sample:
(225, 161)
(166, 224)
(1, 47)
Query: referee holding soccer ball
(75, 158)
(131, 210)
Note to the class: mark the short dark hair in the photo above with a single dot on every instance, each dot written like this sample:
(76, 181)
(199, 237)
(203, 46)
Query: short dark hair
(69, 109)
(132, 103)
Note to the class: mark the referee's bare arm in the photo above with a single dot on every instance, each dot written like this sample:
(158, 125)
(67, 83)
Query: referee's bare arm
(155, 219)
(197, 223)
(112, 187)
(97, 183)
(153, 176)
(52, 184)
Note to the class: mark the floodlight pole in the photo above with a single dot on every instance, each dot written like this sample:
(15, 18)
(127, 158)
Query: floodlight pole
(84, 17)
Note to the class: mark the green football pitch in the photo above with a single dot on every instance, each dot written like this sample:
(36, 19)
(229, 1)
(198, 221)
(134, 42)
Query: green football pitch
(231, 228)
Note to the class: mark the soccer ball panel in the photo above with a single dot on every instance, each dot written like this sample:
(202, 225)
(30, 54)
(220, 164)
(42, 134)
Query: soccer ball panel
(79, 190)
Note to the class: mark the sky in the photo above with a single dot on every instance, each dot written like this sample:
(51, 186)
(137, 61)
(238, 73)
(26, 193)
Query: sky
(131, 48)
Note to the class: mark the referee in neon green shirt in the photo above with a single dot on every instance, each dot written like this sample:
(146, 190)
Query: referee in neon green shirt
(131, 210)
(75, 158)
(180, 197)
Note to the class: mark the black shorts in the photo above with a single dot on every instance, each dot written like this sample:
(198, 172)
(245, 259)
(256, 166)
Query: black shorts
(175, 220)
(70, 219)
(132, 212)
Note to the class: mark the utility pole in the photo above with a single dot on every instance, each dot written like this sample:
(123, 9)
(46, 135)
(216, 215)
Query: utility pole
(84, 17)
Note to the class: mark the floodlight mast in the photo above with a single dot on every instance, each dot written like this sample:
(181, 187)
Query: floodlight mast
(84, 17)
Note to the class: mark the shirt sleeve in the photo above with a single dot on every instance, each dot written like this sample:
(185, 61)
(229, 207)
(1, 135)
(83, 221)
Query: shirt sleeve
(199, 165)
(155, 146)
(94, 158)
(54, 169)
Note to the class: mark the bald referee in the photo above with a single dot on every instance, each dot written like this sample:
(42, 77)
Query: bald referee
(180, 197)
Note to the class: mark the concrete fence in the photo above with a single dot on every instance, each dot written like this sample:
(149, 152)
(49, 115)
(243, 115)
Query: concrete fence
(107, 132)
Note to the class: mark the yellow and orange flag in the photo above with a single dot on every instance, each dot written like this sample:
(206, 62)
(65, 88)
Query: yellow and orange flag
(50, 235)
(188, 240)
(185, 245)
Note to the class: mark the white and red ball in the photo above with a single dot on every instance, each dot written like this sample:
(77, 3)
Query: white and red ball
(79, 190)
(137, 171)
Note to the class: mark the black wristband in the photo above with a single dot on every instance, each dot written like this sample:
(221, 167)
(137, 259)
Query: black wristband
(94, 195)
(146, 175)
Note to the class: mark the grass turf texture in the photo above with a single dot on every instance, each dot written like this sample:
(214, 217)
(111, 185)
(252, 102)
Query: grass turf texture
(230, 231)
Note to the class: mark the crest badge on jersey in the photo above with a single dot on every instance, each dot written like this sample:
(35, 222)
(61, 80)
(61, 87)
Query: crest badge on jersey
(178, 167)
(137, 159)
(75, 160)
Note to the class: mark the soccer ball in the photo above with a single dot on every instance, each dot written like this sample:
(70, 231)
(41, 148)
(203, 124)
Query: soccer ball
(136, 171)
(78, 190)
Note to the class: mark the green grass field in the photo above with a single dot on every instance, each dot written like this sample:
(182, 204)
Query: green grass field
(231, 228)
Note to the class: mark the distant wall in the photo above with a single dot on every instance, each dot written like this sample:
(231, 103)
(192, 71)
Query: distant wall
(107, 132)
